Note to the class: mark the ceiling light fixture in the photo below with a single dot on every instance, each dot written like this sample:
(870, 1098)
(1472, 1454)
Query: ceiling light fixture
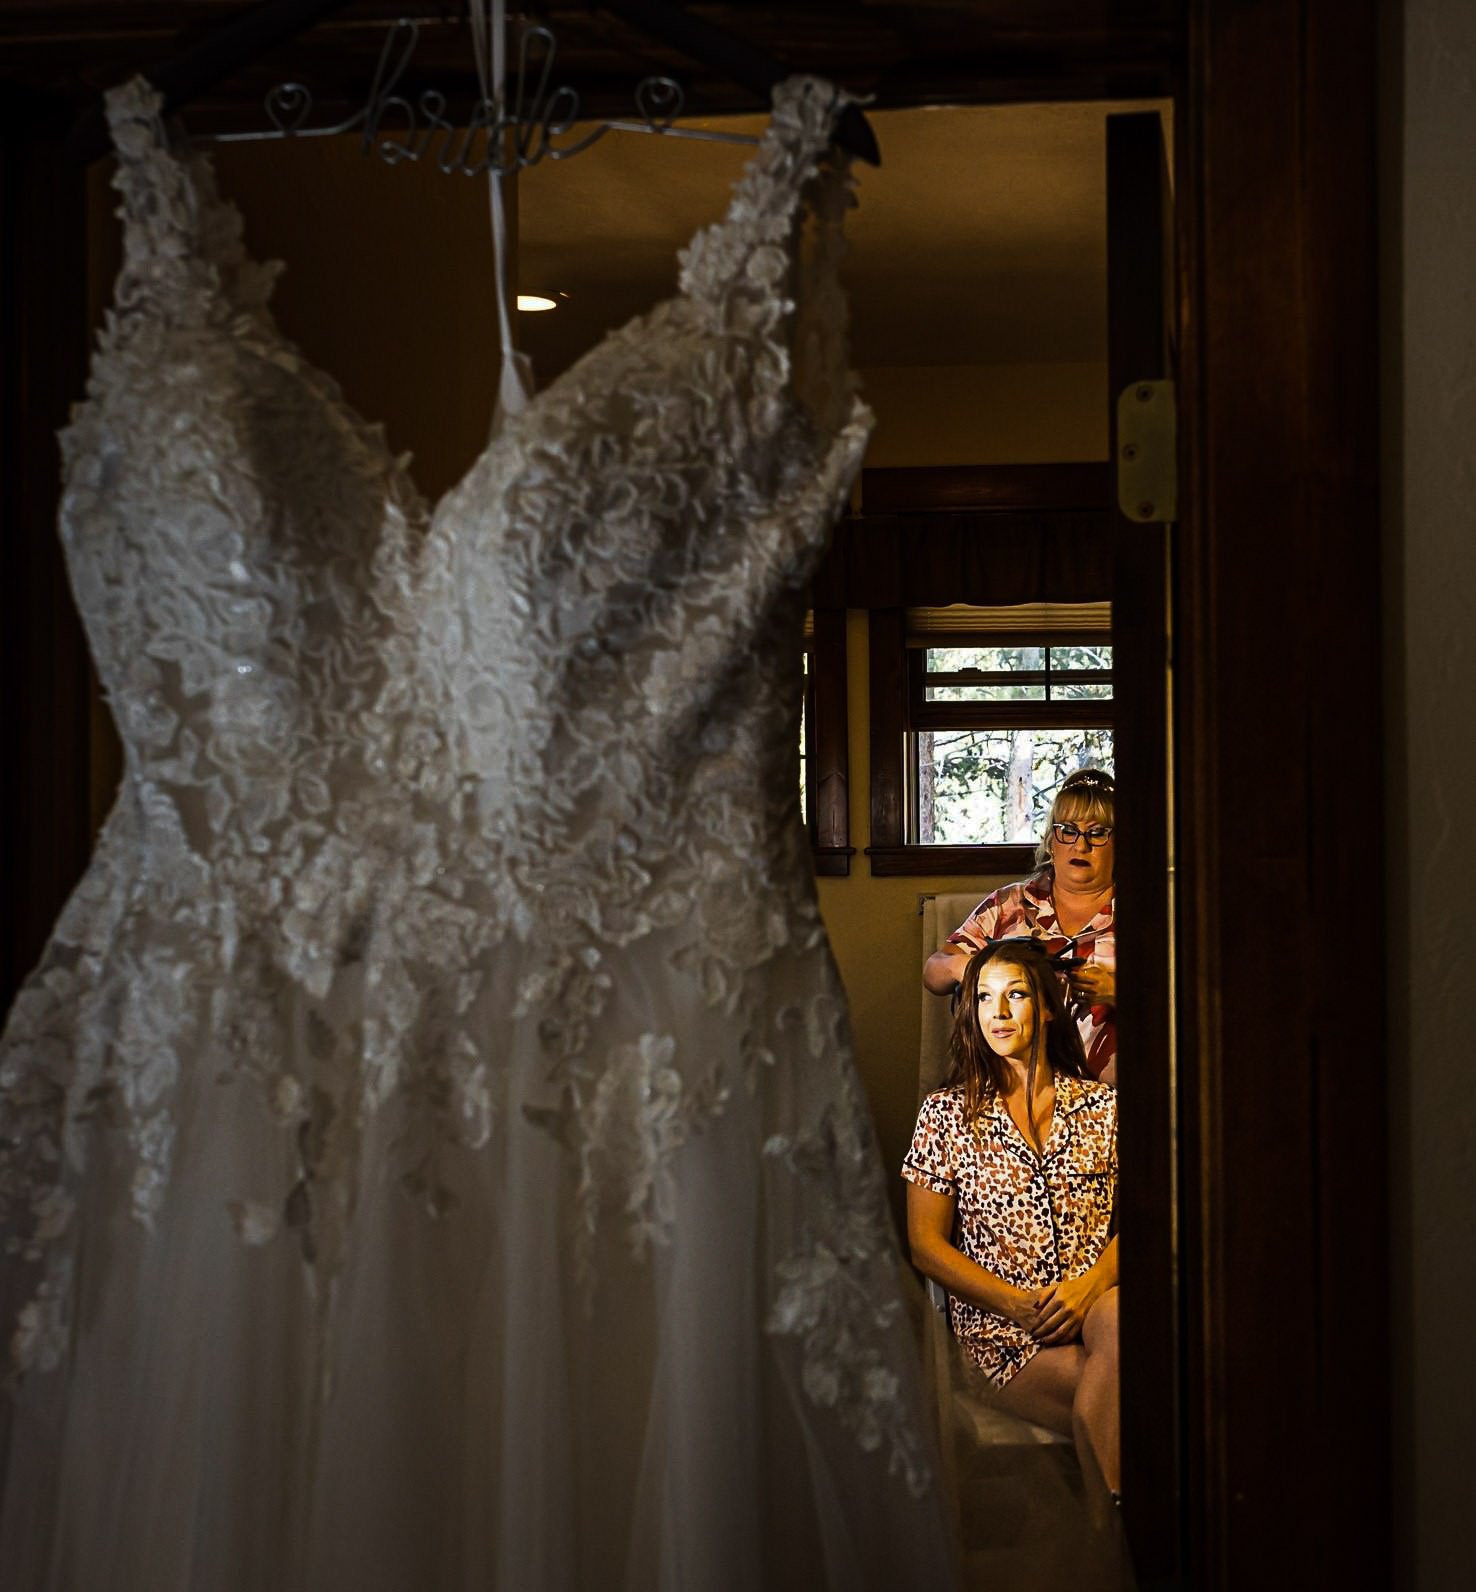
(534, 303)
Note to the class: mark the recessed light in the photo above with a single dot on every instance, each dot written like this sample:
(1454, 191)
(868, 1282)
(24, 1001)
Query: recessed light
(534, 303)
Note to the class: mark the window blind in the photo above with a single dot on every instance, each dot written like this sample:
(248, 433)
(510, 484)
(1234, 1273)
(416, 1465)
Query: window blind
(960, 619)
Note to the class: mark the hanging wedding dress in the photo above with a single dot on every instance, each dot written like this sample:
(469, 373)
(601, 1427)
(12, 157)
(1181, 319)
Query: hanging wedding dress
(430, 1152)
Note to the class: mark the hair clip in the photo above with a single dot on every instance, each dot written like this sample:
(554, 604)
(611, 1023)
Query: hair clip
(1065, 959)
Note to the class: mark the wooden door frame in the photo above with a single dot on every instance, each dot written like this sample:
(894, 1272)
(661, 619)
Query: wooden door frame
(1140, 347)
(1281, 1073)
(1280, 1079)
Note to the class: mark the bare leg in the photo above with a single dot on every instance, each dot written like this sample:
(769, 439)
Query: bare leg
(1096, 1412)
(1074, 1390)
(1044, 1390)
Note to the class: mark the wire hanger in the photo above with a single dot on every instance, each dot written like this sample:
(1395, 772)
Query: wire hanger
(659, 99)
(530, 121)
(489, 43)
(736, 60)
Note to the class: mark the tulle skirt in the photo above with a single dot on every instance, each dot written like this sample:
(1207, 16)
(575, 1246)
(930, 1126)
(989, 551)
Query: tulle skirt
(642, 1329)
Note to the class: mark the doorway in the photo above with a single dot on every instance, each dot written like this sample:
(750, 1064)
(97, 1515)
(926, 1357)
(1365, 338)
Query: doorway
(1285, 1412)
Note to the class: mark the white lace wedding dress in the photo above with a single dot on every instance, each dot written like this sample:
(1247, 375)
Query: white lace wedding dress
(430, 1151)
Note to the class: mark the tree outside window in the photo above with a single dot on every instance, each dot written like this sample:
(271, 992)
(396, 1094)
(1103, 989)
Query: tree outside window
(995, 728)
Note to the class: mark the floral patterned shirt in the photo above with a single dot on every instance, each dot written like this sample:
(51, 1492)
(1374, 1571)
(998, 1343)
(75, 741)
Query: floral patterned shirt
(1030, 1220)
(1028, 908)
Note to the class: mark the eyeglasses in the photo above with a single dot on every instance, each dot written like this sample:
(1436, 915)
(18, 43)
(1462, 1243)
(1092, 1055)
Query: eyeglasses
(1069, 834)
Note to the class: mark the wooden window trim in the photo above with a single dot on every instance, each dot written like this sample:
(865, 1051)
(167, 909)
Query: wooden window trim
(895, 688)
(1013, 715)
(889, 853)
(893, 862)
(1028, 488)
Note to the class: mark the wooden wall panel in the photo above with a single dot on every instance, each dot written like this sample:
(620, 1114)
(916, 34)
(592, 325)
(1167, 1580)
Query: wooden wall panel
(1282, 1226)
(45, 822)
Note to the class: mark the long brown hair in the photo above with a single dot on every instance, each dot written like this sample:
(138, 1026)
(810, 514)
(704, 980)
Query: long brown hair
(973, 1064)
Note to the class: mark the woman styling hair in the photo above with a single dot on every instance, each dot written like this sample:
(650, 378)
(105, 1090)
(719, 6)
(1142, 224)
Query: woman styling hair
(1068, 903)
(1012, 1184)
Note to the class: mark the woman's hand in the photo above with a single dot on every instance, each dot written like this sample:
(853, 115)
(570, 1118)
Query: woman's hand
(943, 969)
(1094, 985)
(930, 1219)
(1022, 1306)
(1060, 1310)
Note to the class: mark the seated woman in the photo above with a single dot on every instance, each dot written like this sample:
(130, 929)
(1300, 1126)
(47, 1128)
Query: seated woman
(1012, 1183)
(1067, 903)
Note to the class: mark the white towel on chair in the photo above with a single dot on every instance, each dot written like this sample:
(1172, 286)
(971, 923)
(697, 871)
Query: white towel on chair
(941, 915)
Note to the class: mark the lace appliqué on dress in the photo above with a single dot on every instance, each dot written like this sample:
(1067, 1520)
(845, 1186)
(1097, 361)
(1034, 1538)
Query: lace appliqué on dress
(496, 831)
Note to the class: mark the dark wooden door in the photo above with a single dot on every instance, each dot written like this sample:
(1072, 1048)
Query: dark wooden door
(1139, 278)
(1278, 786)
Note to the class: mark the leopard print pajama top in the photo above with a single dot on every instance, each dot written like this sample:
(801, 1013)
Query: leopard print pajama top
(1031, 1220)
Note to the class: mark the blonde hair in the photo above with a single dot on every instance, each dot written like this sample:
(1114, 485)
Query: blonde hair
(1087, 795)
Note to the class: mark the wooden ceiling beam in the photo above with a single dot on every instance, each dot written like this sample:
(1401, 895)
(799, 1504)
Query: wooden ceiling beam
(925, 52)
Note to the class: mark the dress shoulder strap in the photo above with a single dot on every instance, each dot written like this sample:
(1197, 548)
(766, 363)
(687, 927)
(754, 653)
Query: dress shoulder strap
(770, 267)
(181, 243)
(751, 244)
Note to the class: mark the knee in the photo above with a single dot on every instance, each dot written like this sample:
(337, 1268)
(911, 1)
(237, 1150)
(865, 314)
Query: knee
(1099, 1330)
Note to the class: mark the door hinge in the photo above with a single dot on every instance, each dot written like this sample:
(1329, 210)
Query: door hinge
(1147, 452)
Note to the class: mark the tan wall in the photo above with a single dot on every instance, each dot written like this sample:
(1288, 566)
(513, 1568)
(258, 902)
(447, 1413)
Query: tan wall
(1428, 216)
(987, 414)
(876, 930)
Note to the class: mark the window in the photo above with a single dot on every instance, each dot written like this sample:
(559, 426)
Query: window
(998, 705)
(998, 716)
(1040, 544)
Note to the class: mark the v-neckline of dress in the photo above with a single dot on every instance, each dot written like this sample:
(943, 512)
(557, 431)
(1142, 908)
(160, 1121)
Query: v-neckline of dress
(138, 99)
